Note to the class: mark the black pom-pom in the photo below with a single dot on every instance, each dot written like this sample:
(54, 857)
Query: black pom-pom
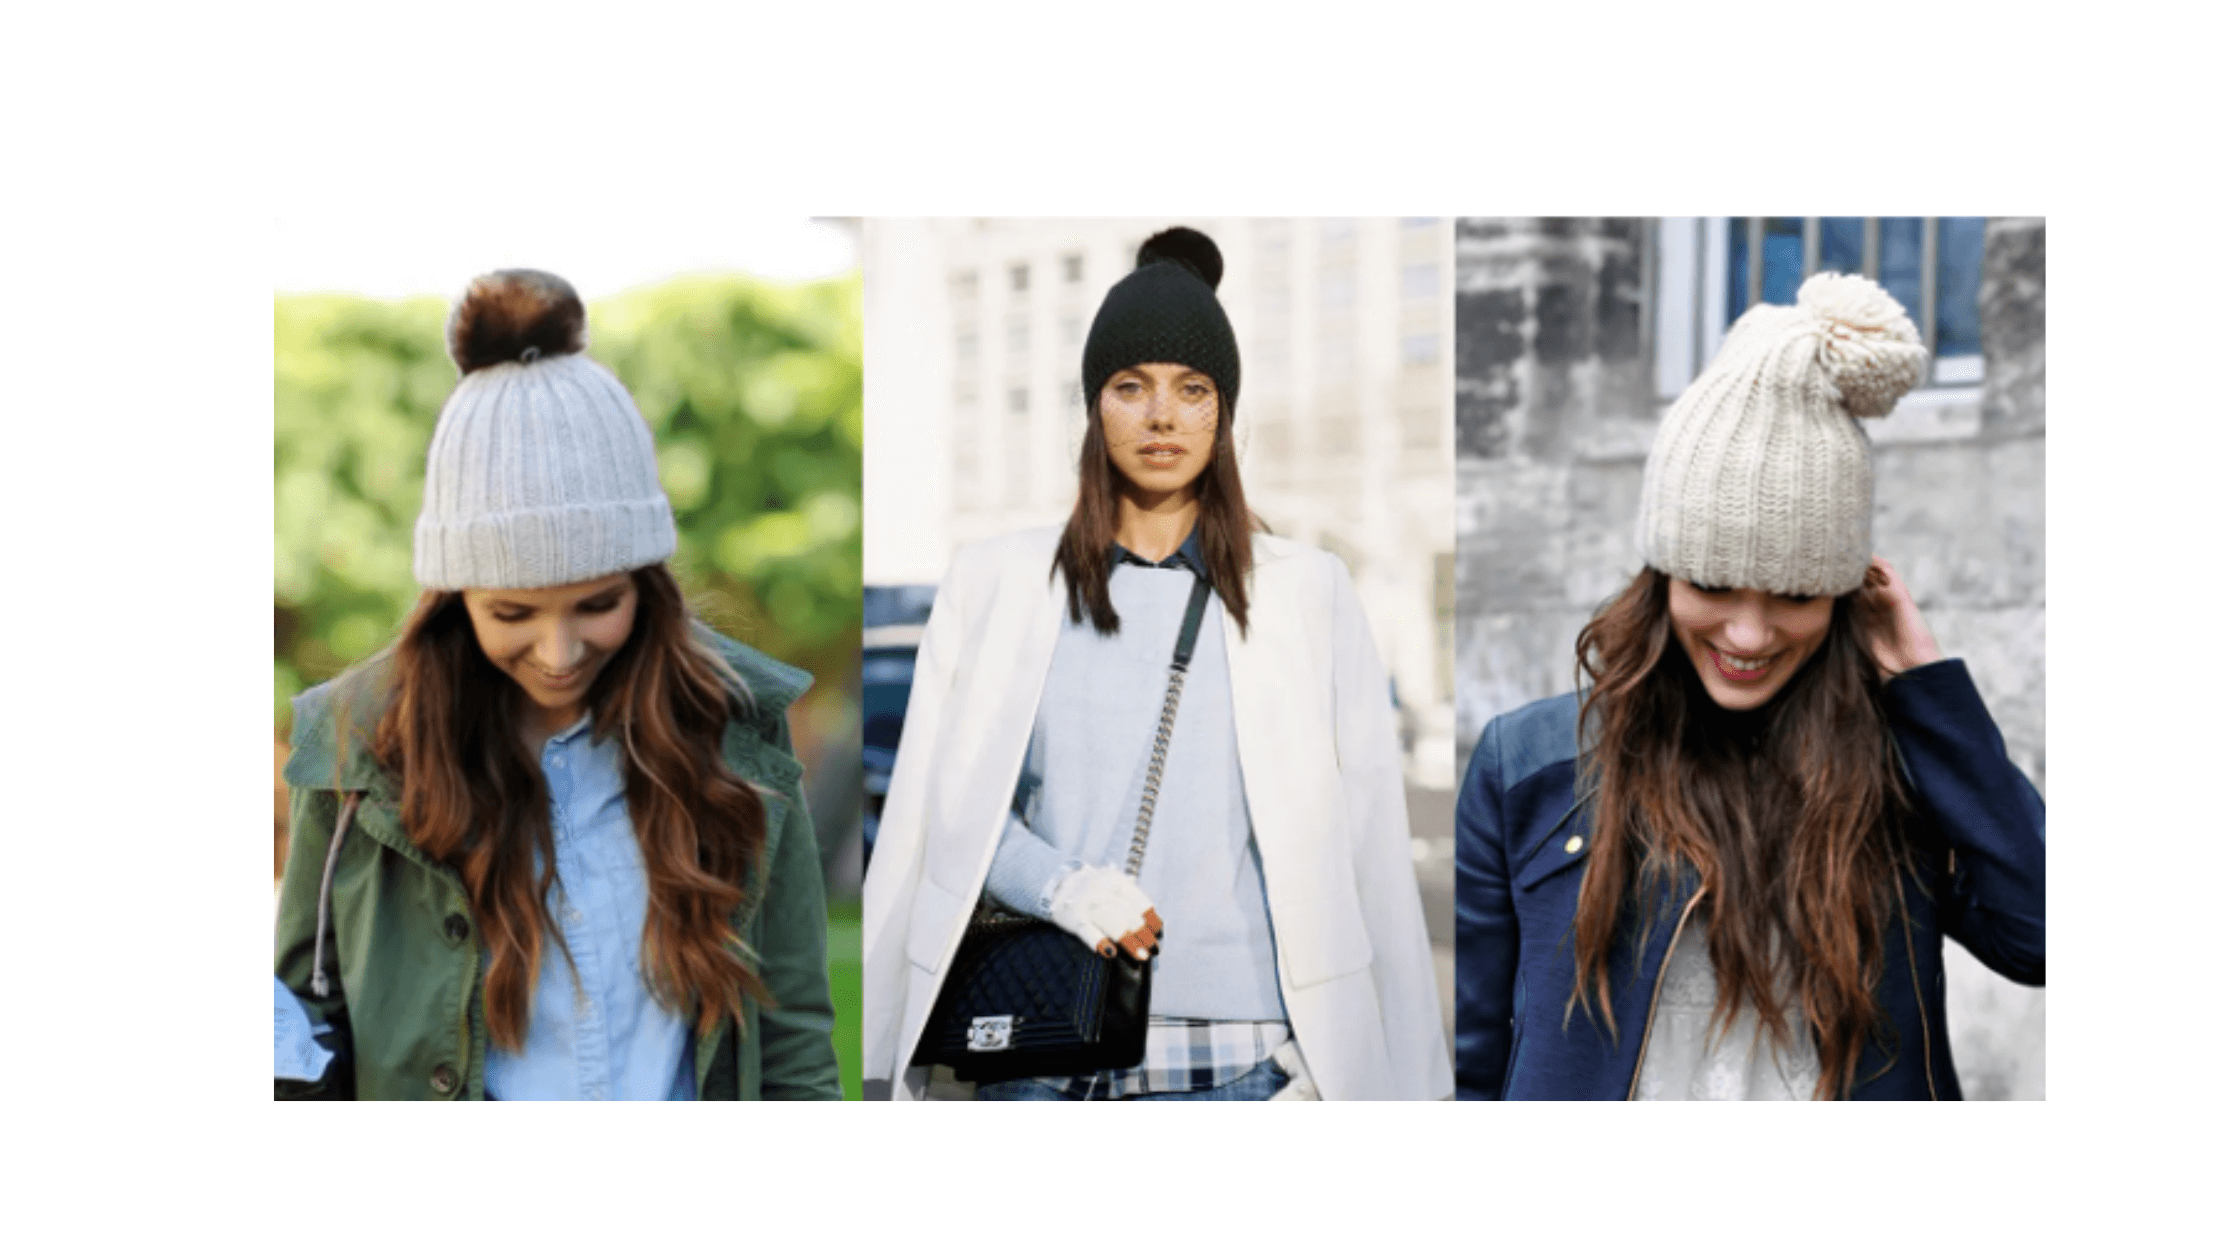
(514, 317)
(1188, 246)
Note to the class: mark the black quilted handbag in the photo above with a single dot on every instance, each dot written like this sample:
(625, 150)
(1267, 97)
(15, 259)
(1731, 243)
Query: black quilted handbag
(1024, 997)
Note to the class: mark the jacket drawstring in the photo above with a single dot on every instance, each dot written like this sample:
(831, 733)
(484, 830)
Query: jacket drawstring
(326, 894)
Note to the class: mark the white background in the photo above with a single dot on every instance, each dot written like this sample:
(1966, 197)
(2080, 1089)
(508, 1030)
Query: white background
(153, 155)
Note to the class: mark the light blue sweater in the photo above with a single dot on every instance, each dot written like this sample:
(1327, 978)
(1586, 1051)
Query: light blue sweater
(1083, 780)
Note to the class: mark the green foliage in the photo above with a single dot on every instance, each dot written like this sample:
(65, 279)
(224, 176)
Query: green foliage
(843, 943)
(755, 396)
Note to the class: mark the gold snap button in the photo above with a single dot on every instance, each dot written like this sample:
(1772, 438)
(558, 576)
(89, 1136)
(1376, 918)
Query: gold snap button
(1573, 845)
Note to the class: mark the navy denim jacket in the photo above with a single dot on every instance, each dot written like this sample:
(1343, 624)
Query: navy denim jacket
(1517, 885)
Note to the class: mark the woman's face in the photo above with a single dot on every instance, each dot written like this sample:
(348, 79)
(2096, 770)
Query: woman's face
(554, 640)
(1159, 424)
(1746, 645)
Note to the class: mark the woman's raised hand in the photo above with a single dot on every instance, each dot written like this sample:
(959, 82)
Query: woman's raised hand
(1897, 635)
(1101, 905)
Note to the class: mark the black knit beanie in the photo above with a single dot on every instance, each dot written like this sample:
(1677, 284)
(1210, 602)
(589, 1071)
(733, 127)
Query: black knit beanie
(1164, 312)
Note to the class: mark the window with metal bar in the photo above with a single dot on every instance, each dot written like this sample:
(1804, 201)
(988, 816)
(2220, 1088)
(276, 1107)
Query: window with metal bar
(1707, 272)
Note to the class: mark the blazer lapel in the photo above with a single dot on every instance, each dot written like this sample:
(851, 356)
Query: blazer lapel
(1001, 695)
(1287, 795)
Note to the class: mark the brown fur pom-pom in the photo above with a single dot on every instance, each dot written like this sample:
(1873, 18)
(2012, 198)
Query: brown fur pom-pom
(514, 317)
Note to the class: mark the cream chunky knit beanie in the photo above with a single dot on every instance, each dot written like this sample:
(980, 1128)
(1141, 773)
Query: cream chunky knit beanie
(542, 471)
(1760, 476)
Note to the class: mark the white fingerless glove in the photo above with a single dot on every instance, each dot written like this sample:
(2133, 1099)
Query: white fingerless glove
(1098, 904)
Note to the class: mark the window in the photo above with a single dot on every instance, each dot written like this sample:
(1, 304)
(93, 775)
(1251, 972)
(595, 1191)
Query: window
(1071, 267)
(1271, 343)
(1271, 364)
(1419, 348)
(1272, 250)
(1019, 277)
(1707, 272)
(1015, 335)
(1271, 437)
(1419, 282)
(1070, 390)
(1018, 400)
(1271, 300)
(968, 345)
(1337, 291)
(1335, 352)
(964, 451)
(964, 287)
(1340, 431)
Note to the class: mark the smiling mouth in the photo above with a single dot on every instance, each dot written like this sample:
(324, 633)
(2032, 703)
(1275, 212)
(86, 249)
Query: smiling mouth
(1741, 668)
(1160, 451)
(557, 681)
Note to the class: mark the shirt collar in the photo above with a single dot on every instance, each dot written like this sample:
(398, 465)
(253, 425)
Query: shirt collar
(1187, 556)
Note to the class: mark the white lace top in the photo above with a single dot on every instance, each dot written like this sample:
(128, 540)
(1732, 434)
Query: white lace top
(1682, 1064)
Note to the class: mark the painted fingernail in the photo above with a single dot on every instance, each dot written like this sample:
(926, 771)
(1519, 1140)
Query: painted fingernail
(1143, 955)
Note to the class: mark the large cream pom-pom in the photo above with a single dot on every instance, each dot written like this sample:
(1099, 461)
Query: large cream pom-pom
(1870, 348)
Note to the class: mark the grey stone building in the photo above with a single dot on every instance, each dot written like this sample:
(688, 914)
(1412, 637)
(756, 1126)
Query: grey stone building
(1571, 336)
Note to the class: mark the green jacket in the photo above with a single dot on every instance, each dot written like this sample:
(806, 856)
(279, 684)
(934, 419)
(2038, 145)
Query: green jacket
(401, 940)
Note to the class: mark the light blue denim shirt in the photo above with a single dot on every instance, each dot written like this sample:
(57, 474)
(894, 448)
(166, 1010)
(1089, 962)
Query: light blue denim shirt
(296, 1052)
(595, 1031)
(1083, 779)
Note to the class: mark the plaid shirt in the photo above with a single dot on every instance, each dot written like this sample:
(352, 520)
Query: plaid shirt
(1183, 1056)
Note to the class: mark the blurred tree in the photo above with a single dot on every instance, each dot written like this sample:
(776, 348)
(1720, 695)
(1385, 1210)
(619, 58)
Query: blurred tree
(755, 396)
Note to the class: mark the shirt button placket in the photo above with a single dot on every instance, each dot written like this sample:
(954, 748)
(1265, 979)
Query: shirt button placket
(590, 1027)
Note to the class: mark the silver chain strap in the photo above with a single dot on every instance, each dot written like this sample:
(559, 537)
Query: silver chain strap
(1158, 768)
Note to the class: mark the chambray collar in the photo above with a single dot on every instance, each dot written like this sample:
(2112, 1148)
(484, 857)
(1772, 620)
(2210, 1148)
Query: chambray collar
(573, 729)
(1187, 556)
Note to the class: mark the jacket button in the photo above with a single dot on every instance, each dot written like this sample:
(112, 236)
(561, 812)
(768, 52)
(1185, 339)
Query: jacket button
(444, 1079)
(1574, 844)
(455, 927)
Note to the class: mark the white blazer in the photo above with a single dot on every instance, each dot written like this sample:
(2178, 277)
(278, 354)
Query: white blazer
(1322, 782)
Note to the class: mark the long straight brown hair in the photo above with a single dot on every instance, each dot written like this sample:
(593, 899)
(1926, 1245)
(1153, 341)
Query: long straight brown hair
(471, 796)
(1791, 815)
(1225, 526)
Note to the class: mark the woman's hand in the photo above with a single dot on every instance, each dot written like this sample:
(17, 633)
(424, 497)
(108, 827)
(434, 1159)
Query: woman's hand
(1101, 906)
(1898, 637)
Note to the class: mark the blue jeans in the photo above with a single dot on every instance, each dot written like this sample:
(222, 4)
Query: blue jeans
(1257, 1085)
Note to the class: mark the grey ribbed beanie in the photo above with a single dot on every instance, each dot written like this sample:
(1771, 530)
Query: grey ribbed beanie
(1760, 476)
(542, 471)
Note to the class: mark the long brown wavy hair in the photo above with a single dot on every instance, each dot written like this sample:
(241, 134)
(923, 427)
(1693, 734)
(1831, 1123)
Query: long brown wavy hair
(1225, 526)
(471, 796)
(1791, 815)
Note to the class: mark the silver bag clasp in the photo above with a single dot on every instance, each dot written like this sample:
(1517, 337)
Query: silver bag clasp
(990, 1032)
